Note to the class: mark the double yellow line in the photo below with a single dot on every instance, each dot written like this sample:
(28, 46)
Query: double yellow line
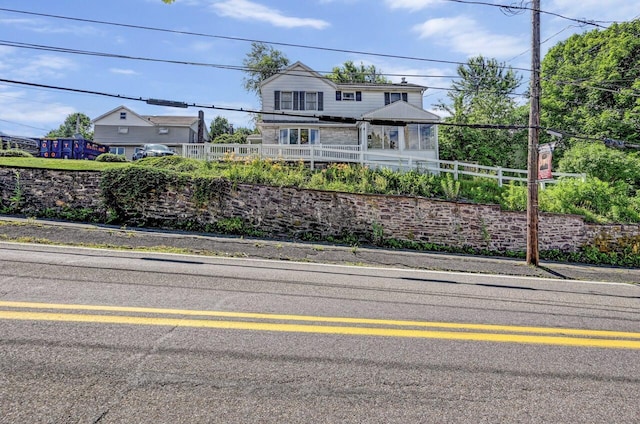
(318, 325)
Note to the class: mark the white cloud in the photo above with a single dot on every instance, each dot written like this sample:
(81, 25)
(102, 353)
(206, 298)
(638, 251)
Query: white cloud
(464, 35)
(43, 65)
(618, 10)
(120, 71)
(249, 11)
(29, 113)
(412, 5)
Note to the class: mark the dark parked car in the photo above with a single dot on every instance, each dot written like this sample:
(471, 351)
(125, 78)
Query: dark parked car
(151, 150)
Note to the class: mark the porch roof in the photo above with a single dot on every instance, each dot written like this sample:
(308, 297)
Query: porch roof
(402, 111)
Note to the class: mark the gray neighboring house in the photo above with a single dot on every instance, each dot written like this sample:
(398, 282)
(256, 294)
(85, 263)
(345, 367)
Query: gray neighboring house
(295, 99)
(123, 130)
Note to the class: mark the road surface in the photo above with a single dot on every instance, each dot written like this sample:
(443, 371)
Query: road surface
(94, 336)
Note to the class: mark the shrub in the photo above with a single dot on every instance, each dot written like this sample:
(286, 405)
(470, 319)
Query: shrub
(110, 157)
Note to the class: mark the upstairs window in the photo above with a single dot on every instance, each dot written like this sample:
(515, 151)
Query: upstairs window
(348, 96)
(123, 115)
(286, 100)
(163, 130)
(395, 97)
(298, 100)
(123, 130)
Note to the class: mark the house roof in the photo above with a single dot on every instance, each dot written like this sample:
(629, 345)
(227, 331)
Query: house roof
(297, 69)
(172, 121)
(402, 111)
(300, 69)
(118, 109)
(157, 120)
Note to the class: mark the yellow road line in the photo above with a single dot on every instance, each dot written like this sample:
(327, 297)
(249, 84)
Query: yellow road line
(319, 329)
(369, 321)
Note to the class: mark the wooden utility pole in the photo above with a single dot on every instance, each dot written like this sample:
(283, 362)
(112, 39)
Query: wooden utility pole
(533, 257)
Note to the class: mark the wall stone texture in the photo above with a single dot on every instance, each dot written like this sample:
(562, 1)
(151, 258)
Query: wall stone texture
(294, 213)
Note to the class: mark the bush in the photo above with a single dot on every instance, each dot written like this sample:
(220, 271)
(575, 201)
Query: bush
(110, 157)
(604, 163)
(15, 153)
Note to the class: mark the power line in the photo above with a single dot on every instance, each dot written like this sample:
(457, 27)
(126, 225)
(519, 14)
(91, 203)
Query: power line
(223, 37)
(514, 7)
(41, 47)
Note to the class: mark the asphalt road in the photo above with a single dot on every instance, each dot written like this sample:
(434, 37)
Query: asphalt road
(95, 336)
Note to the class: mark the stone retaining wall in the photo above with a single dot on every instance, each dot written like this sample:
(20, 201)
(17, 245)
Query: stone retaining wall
(291, 212)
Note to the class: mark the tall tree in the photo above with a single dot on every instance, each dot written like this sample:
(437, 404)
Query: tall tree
(220, 125)
(591, 83)
(74, 123)
(483, 95)
(262, 62)
(349, 72)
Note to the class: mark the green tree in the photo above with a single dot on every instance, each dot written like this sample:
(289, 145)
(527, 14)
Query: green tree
(74, 123)
(262, 62)
(220, 125)
(590, 84)
(349, 72)
(484, 95)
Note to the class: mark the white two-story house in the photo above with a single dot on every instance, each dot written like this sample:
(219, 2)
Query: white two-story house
(301, 106)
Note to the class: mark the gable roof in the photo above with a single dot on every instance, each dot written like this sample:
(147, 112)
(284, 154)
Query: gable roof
(172, 121)
(118, 110)
(297, 69)
(402, 111)
(153, 120)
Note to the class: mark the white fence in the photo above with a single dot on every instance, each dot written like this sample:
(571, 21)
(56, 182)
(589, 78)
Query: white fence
(313, 153)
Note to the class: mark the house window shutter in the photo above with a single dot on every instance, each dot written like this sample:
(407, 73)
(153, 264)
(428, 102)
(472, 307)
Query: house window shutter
(405, 97)
(302, 100)
(338, 96)
(296, 100)
(387, 98)
(276, 103)
(320, 100)
(358, 96)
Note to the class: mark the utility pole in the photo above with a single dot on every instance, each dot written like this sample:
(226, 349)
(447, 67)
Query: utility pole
(533, 257)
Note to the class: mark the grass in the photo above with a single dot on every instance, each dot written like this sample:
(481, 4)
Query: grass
(59, 164)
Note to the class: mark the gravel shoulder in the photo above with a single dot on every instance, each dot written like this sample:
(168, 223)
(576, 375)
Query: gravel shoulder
(13, 229)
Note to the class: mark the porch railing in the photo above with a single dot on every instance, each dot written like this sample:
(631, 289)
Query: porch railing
(317, 153)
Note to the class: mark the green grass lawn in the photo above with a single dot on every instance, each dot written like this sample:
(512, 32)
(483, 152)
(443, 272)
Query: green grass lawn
(60, 164)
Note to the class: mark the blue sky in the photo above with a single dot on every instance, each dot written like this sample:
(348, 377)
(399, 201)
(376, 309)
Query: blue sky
(426, 33)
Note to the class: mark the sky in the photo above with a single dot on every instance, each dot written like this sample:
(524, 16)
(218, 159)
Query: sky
(421, 40)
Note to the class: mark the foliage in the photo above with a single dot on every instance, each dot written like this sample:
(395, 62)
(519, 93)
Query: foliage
(596, 200)
(125, 191)
(482, 96)
(110, 157)
(590, 83)
(235, 138)
(172, 163)
(68, 128)
(262, 62)
(601, 162)
(514, 198)
(67, 165)
(220, 125)
(15, 153)
(349, 72)
(450, 187)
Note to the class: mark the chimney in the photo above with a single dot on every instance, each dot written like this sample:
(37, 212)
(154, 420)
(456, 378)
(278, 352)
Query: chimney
(404, 80)
(200, 127)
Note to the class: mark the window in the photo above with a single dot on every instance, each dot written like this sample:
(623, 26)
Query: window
(299, 136)
(123, 115)
(311, 100)
(163, 130)
(286, 100)
(348, 96)
(123, 130)
(395, 97)
(117, 150)
(420, 137)
(383, 137)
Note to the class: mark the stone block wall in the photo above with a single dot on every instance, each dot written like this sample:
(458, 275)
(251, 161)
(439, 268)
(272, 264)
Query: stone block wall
(292, 212)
